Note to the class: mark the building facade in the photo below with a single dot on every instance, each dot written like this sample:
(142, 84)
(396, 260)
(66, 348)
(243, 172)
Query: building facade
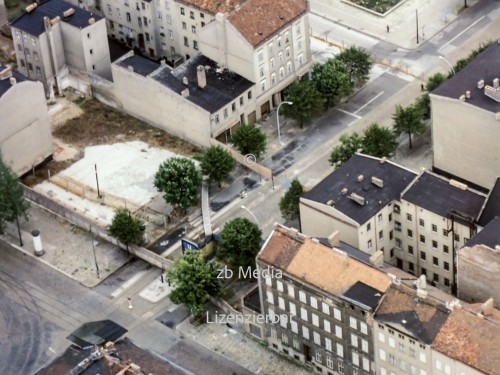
(324, 300)
(61, 46)
(3, 14)
(26, 128)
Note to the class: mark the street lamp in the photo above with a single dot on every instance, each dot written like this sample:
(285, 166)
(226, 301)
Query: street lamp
(278, 119)
(449, 63)
(251, 213)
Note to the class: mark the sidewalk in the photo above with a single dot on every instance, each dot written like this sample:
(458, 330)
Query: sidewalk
(68, 249)
(433, 16)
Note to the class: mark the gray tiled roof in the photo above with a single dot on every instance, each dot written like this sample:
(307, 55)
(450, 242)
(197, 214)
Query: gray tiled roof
(489, 236)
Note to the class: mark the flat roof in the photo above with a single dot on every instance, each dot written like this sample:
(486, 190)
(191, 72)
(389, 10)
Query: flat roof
(223, 86)
(486, 66)
(395, 179)
(492, 207)
(5, 84)
(141, 65)
(364, 294)
(489, 236)
(437, 195)
(32, 22)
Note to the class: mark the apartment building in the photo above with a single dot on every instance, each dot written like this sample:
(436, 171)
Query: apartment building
(406, 324)
(465, 114)
(468, 342)
(359, 200)
(25, 122)
(434, 218)
(61, 46)
(324, 300)
(265, 41)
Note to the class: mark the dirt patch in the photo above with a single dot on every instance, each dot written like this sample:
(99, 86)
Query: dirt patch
(100, 124)
(43, 171)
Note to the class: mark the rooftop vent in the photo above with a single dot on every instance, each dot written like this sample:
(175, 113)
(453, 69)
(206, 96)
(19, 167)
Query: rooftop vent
(360, 178)
(202, 78)
(30, 8)
(185, 93)
(377, 259)
(451, 305)
(495, 83)
(12, 81)
(130, 68)
(487, 307)
(91, 20)
(357, 198)
(467, 94)
(282, 17)
(344, 191)
(458, 185)
(55, 20)
(334, 239)
(421, 282)
(377, 182)
(394, 279)
(330, 203)
(69, 12)
(383, 160)
(185, 80)
(462, 98)
(480, 84)
(5, 73)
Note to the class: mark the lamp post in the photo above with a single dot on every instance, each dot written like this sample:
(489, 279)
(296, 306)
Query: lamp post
(278, 119)
(449, 63)
(251, 213)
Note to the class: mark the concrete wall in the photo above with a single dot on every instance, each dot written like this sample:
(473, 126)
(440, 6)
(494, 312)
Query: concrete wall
(25, 137)
(3, 14)
(465, 140)
(478, 274)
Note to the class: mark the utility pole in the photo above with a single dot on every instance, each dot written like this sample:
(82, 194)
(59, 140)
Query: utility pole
(416, 18)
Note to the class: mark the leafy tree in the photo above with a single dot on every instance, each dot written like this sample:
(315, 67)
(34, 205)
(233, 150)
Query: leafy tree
(194, 281)
(128, 229)
(306, 100)
(180, 182)
(12, 201)
(349, 144)
(249, 140)
(434, 81)
(216, 163)
(332, 81)
(379, 141)
(289, 203)
(357, 63)
(423, 103)
(239, 242)
(408, 120)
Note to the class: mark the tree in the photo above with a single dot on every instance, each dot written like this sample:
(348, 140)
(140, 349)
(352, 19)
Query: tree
(239, 242)
(289, 203)
(408, 120)
(249, 140)
(128, 229)
(434, 81)
(12, 201)
(349, 144)
(216, 163)
(180, 182)
(423, 103)
(379, 141)
(357, 63)
(306, 100)
(194, 281)
(332, 81)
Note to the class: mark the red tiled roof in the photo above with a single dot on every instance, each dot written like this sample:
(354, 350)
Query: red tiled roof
(257, 20)
(212, 6)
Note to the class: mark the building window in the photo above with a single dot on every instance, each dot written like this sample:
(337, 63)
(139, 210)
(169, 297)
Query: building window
(354, 340)
(193, 29)
(446, 282)
(249, 94)
(317, 338)
(391, 235)
(303, 314)
(18, 35)
(270, 297)
(340, 353)
(35, 56)
(325, 308)
(23, 64)
(381, 354)
(329, 360)
(353, 323)
(38, 71)
(30, 66)
(445, 233)
(93, 67)
(436, 278)
(110, 10)
(381, 235)
(421, 222)
(435, 261)
(284, 339)
(411, 267)
(302, 296)
(287, 52)
(143, 5)
(293, 309)
(186, 41)
(118, 12)
(270, 47)
(294, 326)
(241, 99)
(410, 233)
(446, 249)
(401, 347)
(182, 10)
(381, 337)
(363, 328)
(368, 227)
(129, 18)
(422, 238)
(91, 51)
(282, 73)
(314, 302)
(305, 332)
(170, 34)
(392, 359)
(291, 290)
(392, 342)
(195, 44)
(281, 303)
(148, 38)
(434, 228)
(279, 42)
(326, 326)
(434, 244)
(315, 320)
(338, 331)
(410, 249)
(169, 19)
(336, 314)
(457, 238)
(184, 26)
(397, 226)
(422, 255)
(191, 15)
(202, 15)
(408, 217)
(369, 244)
(273, 79)
(260, 56)
(160, 15)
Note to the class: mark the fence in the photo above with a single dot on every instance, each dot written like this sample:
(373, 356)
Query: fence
(87, 224)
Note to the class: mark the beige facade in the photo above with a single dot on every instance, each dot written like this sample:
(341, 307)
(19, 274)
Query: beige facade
(58, 51)
(26, 128)
(3, 14)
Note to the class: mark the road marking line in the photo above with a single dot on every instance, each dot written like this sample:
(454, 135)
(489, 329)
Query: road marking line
(369, 101)
(460, 34)
(348, 113)
(128, 283)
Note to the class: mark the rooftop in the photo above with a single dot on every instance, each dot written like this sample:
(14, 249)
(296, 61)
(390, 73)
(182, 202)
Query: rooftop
(470, 339)
(486, 66)
(223, 86)
(96, 333)
(258, 20)
(421, 318)
(5, 84)
(492, 207)
(212, 6)
(308, 260)
(32, 23)
(141, 65)
(364, 294)
(489, 236)
(438, 195)
(394, 178)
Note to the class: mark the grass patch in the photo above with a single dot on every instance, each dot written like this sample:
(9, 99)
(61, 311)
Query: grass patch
(379, 6)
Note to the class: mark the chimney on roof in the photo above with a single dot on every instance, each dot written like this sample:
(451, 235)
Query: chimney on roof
(30, 8)
(480, 84)
(357, 198)
(109, 345)
(458, 185)
(361, 178)
(451, 305)
(12, 81)
(495, 83)
(134, 369)
(394, 279)
(467, 94)
(377, 182)
(47, 24)
(130, 68)
(462, 98)
(91, 20)
(55, 20)
(334, 239)
(5, 73)
(344, 191)
(421, 282)
(377, 259)
(487, 307)
(185, 81)
(202, 77)
(69, 12)
(383, 160)
(185, 93)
